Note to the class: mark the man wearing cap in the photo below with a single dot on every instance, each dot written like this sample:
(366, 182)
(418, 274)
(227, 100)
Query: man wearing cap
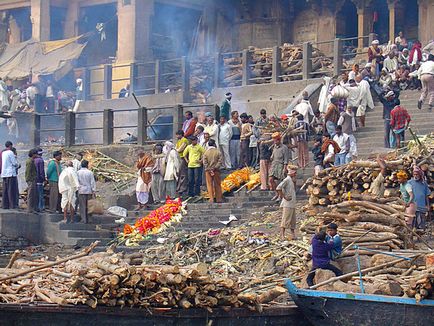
(286, 191)
(389, 102)
(375, 57)
(279, 160)
(193, 156)
(225, 109)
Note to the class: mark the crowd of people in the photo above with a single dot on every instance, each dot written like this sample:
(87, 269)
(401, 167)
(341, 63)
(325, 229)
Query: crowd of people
(42, 96)
(71, 184)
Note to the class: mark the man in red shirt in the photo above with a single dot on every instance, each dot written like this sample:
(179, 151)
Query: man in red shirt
(399, 122)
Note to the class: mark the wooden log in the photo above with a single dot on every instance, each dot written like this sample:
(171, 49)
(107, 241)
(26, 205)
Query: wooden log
(271, 294)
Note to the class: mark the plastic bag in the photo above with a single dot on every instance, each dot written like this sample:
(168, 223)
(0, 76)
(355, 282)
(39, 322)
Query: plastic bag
(118, 211)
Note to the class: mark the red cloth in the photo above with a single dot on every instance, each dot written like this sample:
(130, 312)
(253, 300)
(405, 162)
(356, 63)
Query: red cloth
(399, 118)
(191, 128)
(416, 49)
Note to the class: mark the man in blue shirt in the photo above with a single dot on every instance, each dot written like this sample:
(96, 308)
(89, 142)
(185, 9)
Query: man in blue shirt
(332, 235)
(421, 193)
(320, 256)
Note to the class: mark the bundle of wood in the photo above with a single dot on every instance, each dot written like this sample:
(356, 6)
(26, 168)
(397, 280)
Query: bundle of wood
(334, 184)
(365, 221)
(261, 66)
(421, 287)
(201, 79)
(108, 279)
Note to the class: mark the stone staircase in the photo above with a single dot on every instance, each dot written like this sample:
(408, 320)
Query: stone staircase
(200, 216)
(370, 138)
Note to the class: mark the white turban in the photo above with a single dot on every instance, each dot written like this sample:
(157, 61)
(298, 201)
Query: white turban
(375, 42)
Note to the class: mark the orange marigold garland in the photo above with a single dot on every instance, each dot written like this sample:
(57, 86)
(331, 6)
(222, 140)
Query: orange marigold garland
(153, 223)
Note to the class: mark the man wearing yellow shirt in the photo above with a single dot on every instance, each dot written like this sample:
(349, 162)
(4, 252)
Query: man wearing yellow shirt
(193, 156)
(181, 145)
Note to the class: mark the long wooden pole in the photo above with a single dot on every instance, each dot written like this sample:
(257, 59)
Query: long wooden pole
(57, 262)
(366, 270)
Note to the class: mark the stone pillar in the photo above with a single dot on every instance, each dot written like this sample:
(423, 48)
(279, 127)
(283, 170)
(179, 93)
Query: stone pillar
(391, 5)
(15, 31)
(426, 17)
(134, 30)
(360, 27)
(40, 18)
(71, 19)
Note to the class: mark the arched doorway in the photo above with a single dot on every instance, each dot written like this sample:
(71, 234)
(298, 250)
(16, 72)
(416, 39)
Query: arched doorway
(346, 20)
(380, 25)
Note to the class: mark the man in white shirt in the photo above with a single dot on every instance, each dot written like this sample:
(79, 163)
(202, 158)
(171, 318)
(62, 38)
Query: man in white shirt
(9, 166)
(343, 140)
(68, 187)
(304, 108)
(212, 128)
(426, 76)
(86, 189)
(391, 63)
(225, 136)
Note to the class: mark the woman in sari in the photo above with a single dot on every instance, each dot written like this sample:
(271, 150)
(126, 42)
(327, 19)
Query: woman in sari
(144, 165)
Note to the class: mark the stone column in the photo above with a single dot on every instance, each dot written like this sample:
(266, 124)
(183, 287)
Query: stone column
(391, 4)
(134, 30)
(40, 18)
(360, 27)
(426, 17)
(72, 12)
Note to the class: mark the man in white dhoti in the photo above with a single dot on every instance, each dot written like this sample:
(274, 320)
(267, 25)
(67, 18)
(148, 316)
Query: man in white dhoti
(68, 186)
(365, 99)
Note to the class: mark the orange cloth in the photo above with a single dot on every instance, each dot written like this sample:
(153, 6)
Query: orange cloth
(145, 162)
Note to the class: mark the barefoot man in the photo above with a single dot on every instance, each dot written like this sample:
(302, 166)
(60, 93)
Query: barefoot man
(286, 191)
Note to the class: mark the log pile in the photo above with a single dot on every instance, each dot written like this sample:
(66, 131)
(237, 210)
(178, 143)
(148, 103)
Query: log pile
(334, 184)
(366, 221)
(107, 279)
(261, 65)
(201, 79)
(421, 287)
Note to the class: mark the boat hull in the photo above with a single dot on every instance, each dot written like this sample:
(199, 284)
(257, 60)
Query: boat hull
(325, 308)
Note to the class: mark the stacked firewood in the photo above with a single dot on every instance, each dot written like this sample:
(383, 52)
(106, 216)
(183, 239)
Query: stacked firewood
(366, 221)
(109, 279)
(421, 287)
(291, 62)
(334, 184)
(201, 79)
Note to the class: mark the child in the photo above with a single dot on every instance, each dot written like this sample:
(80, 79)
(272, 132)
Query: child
(332, 235)
(320, 256)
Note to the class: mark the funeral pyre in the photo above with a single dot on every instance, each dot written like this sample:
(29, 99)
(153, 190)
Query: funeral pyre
(233, 267)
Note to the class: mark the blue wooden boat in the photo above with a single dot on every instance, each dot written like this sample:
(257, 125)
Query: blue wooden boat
(324, 308)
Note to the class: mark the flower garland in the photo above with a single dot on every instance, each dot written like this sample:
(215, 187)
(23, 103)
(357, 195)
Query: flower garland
(236, 179)
(153, 223)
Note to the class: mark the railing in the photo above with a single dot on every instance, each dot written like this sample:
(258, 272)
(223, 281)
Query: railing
(104, 127)
(239, 68)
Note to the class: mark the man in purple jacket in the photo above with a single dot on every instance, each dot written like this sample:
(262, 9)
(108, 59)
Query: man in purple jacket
(40, 179)
(320, 256)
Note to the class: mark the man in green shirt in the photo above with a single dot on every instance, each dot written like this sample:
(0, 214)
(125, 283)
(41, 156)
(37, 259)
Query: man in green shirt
(30, 175)
(193, 156)
(225, 109)
(53, 171)
(181, 145)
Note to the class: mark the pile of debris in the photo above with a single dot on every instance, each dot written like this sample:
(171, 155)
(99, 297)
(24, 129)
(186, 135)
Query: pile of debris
(291, 62)
(108, 279)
